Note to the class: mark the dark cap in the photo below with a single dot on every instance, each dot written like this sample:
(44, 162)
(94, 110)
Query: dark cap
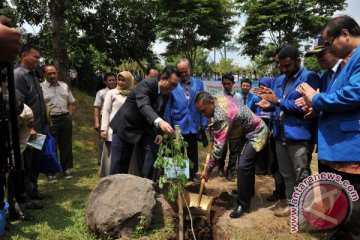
(318, 47)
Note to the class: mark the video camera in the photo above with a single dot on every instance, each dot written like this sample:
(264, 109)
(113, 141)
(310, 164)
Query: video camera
(10, 157)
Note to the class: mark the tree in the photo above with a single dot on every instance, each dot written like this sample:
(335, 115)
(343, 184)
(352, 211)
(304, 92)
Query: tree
(123, 29)
(312, 64)
(118, 29)
(189, 24)
(199, 66)
(283, 21)
(57, 19)
(224, 66)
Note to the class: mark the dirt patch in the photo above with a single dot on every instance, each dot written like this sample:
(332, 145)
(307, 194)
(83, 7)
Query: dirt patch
(205, 223)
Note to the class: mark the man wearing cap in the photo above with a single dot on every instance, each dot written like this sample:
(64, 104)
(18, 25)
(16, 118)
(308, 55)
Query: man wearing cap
(339, 126)
(331, 65)
(327, 61)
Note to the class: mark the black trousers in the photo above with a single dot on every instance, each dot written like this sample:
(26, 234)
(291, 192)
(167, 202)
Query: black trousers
(32, 163)
(61, 130)
(246, 176)
(192, 152)
(274, 168)
(351, 229)
(233, 157)
(121, 152)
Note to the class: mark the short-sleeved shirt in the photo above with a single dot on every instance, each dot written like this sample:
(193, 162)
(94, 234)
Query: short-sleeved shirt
(100, 98)
(57, 96)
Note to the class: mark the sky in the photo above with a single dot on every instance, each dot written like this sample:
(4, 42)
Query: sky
(351, 10)
(160, 47)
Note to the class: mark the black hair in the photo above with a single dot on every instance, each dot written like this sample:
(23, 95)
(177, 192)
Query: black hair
(109, 74)
(205, 97)
(168, 71)
(229, 76)
(147, 71)
(27, 48)
(246, 80)
(278, 49)
(335, 25)
(289, 51)
(47, 65)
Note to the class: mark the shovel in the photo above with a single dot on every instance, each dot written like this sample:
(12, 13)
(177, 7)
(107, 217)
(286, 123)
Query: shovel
(199, 200)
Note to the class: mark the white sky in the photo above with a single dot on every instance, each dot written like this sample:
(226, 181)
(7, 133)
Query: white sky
(351, 10)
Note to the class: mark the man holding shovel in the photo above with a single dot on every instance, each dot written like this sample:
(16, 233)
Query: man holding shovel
(235, 121)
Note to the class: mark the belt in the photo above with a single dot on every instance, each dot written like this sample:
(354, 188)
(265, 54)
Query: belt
(59, 115)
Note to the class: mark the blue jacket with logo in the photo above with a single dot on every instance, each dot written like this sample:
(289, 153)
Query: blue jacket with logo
(251, 100)
(296, 128)
(181, 112)
(339, 123)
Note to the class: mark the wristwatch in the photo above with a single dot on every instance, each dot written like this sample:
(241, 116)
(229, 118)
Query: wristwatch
(278, 102)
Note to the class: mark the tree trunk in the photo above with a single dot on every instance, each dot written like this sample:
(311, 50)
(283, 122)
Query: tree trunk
(57, 18)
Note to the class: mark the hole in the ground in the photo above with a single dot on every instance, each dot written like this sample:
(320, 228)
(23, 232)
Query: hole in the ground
(203, 221)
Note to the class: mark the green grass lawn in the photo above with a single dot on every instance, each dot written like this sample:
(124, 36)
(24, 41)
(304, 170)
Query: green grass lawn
(63, 215)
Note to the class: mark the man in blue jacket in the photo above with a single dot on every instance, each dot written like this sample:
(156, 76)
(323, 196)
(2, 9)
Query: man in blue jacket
(327, 62)
(294, 135)
(180, 110)
(248, 98)
(339, 122)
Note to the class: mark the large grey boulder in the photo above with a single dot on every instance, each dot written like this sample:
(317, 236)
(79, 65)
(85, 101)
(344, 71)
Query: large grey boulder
(118, 203)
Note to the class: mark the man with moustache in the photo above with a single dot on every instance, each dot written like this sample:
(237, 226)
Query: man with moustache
(60, 100)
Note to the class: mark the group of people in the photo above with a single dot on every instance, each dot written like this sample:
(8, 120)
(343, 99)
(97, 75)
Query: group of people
(49, 107)
(131, 120)
(42, 108)
(288, 115)
(305, 109)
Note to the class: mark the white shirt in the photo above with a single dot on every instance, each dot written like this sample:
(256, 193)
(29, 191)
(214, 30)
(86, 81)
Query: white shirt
(112, 103)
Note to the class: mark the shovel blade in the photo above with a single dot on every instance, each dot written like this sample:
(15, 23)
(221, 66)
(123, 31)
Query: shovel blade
(193, 198)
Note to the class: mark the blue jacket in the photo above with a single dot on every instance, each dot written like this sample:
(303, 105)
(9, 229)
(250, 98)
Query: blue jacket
(296, 128)
(251, 100)
(339, 123)
(180, 112)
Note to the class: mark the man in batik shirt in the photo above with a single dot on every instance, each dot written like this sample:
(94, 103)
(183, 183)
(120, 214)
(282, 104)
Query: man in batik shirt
(234, 121)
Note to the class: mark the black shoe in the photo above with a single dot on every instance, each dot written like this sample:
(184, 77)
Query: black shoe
(39, 196)
(34, 206)
(237, 212)
(22, 217)
(221, 172)
(17, 214)
(230, 178)
(274, 197)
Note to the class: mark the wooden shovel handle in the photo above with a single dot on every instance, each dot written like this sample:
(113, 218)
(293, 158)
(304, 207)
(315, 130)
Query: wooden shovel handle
(206, 163)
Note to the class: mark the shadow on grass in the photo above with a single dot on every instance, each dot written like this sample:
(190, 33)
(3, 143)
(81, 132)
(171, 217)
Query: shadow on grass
(63, 211)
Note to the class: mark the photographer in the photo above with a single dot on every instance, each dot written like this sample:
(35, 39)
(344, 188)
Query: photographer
(9, 41)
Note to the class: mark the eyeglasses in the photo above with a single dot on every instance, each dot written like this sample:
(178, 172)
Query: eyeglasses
(329, 43)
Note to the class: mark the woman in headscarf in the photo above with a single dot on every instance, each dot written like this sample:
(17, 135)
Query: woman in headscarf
(114, 99)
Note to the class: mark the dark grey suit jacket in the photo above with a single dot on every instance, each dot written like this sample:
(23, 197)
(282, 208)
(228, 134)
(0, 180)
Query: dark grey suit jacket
(139, 111)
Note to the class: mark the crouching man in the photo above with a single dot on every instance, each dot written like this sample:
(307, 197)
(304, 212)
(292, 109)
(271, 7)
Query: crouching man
(235, 121)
